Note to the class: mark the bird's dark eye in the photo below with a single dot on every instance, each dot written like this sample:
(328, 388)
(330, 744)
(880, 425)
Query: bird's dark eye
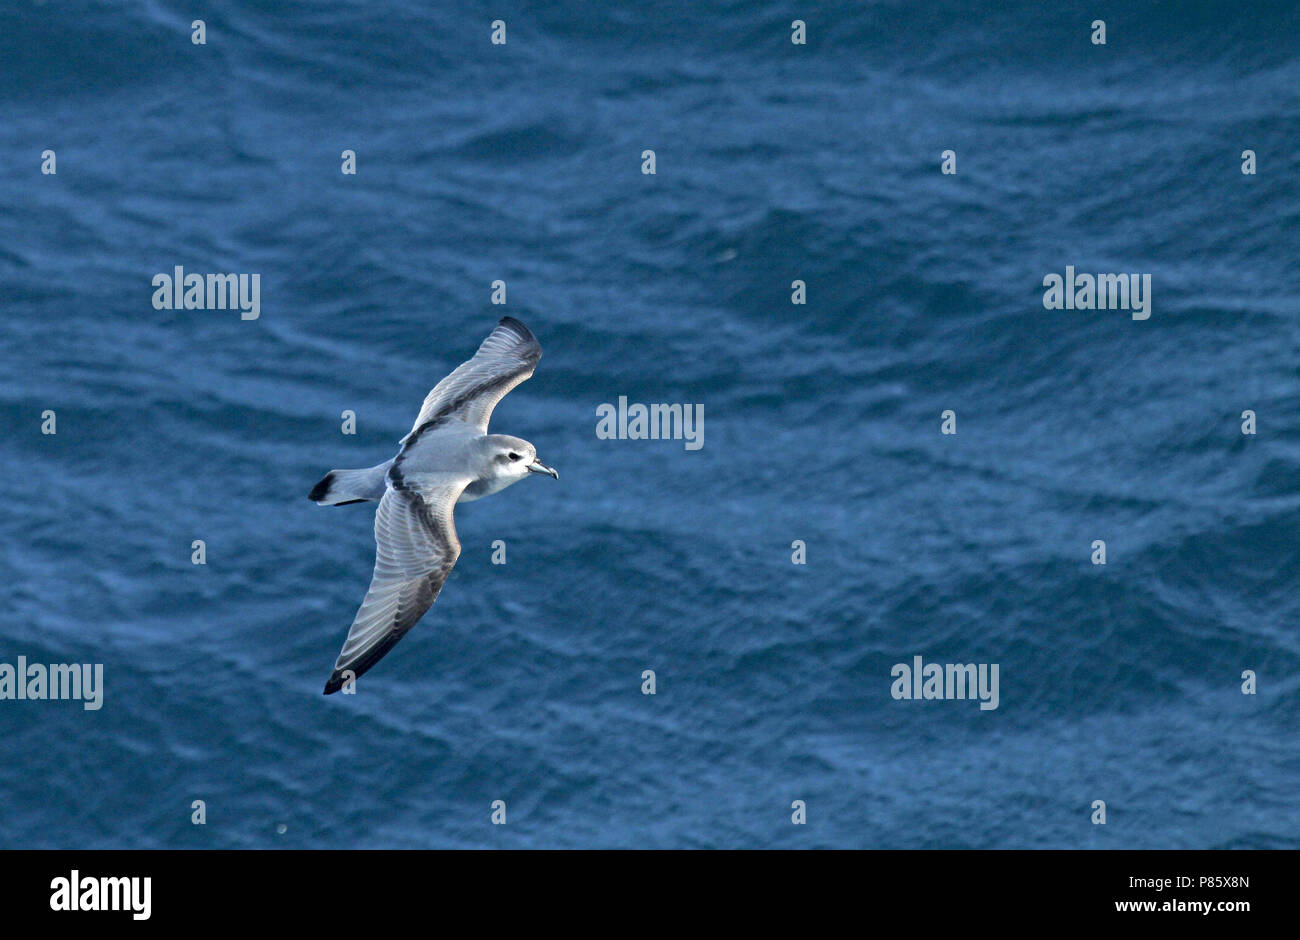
(514, 456)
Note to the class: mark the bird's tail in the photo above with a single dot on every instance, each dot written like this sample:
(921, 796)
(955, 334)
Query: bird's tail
(340, 487)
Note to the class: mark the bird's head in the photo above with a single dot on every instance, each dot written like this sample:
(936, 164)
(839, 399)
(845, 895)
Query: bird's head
(513, 458)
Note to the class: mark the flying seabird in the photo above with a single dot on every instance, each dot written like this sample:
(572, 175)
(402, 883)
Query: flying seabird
(447, 458)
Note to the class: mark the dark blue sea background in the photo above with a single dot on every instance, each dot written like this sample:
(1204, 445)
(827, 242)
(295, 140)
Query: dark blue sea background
(775, 162)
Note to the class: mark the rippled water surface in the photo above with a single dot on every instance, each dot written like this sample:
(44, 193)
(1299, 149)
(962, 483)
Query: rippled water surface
(775, 163)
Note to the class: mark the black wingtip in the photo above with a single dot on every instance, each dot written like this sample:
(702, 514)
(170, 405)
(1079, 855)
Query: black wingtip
(333, 685)
(320, 489)
(517, 325)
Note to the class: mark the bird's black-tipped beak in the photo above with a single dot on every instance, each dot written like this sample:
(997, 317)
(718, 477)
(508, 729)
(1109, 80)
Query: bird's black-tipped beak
(538, 467)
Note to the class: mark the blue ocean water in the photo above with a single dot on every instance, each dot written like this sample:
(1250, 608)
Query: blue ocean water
(775, 162)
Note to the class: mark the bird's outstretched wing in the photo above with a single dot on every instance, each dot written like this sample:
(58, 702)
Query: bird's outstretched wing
(415, 549)
(507, 357)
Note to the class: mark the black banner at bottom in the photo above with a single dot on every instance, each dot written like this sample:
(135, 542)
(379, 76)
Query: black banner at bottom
(642, 890)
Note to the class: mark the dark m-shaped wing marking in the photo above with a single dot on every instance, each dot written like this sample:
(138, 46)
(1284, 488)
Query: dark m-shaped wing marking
(415, 549)
(507, 357)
